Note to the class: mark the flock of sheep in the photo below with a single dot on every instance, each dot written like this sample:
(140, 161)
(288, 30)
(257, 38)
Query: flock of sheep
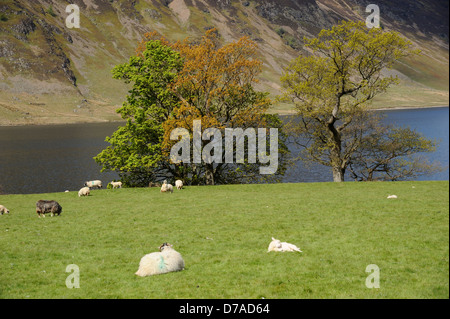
(167, 259)
(54, 208)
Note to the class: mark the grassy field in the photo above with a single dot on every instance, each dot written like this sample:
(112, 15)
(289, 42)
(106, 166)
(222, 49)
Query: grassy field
(223, 233)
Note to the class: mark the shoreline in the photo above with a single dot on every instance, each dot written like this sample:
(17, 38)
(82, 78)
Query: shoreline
(395, 108)
(74, 192)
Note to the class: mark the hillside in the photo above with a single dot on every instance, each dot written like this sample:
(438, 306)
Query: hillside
(52, 74)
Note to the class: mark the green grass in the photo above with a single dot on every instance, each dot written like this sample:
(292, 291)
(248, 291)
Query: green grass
(223, 233)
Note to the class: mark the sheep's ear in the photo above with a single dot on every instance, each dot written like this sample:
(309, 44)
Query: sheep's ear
(273, 238)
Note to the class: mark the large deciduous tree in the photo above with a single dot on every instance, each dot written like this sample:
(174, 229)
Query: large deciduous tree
(331, 90)
(216, 85)
(135, 150)
(174, 84)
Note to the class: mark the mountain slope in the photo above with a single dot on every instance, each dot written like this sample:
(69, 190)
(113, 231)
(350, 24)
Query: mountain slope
(52, 74)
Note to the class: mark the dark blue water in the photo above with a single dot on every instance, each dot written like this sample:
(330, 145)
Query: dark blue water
(41, 159)
(433, 123)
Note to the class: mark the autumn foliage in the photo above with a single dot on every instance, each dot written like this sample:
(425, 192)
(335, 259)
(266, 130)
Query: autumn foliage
(175, 83)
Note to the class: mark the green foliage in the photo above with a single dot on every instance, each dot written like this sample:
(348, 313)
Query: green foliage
(50, 11)
(135, 151)
(173, 85)
(281, 31)
(331, 90)
(290, 40)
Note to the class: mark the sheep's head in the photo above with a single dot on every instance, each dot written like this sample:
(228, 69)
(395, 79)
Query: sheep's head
(164, 246)
(275, 245)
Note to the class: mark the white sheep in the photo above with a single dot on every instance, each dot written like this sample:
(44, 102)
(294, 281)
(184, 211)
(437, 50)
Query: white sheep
(179, 184)
(392, 197)
(92, 184)
(277, 245)
(3, 210)
(116, 184)
(85, 191)
(164, 261)
(166, 188)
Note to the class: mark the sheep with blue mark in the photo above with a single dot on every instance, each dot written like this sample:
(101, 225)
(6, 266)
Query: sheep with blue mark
(92, 184)
(162, 262)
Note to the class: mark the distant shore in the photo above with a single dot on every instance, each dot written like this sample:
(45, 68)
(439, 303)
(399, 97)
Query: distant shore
(396, 108)
(282, 113)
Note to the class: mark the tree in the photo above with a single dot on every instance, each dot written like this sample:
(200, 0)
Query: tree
(135, 151)
(175, 84)
(216, 86)
(390, 153)
(332, 89)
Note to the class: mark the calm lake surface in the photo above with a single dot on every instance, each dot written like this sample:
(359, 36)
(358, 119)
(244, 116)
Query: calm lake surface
(43, 159)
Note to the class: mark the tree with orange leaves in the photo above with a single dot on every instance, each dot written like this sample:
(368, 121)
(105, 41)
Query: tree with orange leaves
(216, 86)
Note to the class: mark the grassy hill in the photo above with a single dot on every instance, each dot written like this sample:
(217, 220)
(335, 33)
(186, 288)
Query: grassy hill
(52, 74)
(223, 233)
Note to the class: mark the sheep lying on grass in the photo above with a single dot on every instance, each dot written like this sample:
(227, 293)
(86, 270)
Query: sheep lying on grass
(166, 188)
(116, 184)
(392, 197)
(277, 245)
(85, 191)
(3, 210)
(164, 261)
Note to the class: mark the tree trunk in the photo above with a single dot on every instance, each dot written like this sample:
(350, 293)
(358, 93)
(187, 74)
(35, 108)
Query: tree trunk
(338, 174)
(209, 174)
(336, 157)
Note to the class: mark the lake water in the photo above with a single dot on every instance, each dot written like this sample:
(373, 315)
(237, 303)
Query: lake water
(433, 123)
(42, 159)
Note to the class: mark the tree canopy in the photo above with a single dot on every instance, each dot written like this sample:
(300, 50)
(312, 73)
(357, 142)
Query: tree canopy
(331, 90)
(174, 84)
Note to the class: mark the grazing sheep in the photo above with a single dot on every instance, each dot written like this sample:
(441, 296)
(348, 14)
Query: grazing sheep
(166, 188)
(277, 245)
(48, 206)
(392, 197)
(92, 184)
(164, 261)
(85, 191)
(3, 210)
(116, 184)
(179, 184)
